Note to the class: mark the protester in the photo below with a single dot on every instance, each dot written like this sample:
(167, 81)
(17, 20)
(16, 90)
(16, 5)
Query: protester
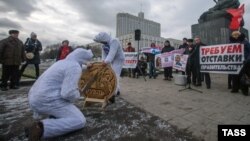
(130, 49)
(190, 67)
(142, 64)
(199, 75)
(112, 54)
(238, 37)
(53, 94)
(151, 60)
(34, 46)
(167, 70)
(185, 47)
(245, 77)
(11, 56)
(184, 44)
(64, 50)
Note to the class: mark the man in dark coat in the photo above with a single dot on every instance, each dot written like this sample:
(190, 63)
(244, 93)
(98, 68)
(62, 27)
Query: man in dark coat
(11, 56)
(167, 70)
(190, 68)
(32, 45)
(200, 75)
(184, 45)
(238, 37)
(245, 74)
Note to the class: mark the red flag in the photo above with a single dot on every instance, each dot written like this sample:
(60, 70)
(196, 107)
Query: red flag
(237, 16)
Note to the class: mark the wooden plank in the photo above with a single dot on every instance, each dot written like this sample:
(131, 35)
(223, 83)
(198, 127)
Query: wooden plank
(88, 102)
(95, 100)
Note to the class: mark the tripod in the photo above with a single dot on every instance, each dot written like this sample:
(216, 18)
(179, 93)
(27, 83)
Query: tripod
(189, 88)
(138, 66)
(189, 82)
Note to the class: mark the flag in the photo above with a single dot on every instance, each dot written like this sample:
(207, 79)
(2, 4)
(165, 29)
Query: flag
(237, 17)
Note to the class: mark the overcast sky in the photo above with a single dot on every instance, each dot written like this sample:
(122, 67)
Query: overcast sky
(80, 20)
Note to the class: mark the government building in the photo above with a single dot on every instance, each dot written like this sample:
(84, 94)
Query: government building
(126, 24)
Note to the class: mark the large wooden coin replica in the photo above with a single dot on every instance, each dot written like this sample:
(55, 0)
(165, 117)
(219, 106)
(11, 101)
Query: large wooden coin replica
(98, 84)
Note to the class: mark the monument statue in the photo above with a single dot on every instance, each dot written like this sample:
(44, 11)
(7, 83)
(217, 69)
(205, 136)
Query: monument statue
(219, 10)
(214, 24)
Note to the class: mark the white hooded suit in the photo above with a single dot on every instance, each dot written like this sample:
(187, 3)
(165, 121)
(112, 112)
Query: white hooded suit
(55, 91)
(114, 56)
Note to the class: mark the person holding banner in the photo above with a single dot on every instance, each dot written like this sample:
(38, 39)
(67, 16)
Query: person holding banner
(130, 70)
(112, 54)
(200, 76)
(183, 46)
(167, 70)
(151, 60)
(238, 37)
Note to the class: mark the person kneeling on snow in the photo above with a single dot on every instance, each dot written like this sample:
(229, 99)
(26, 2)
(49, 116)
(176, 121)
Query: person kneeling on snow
(53, 94)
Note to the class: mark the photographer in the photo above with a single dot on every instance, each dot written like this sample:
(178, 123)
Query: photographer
(32, 47)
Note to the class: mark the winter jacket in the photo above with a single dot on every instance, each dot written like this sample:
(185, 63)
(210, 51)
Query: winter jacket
(241, 39)
(183, 46)
(60, 51)
(167, 49)
(191, 55)
(11, 51)
(197, 53)
(35, 47)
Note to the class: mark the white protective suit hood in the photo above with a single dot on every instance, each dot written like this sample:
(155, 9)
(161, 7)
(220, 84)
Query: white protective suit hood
(102, 37)
(80, 55)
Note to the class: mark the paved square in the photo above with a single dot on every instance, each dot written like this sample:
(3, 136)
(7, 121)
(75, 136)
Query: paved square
(199, 113)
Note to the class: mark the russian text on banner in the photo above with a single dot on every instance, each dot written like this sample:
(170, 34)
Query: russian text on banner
(130, 60)
(224, 58)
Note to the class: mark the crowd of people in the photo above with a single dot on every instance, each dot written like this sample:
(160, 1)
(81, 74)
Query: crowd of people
(16, 56)
(193, 72)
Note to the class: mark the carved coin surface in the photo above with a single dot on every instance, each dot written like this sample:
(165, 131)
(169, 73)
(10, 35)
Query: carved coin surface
(99, 81)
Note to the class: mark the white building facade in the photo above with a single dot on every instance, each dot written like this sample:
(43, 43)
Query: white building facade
(126, 25)
(146, 41)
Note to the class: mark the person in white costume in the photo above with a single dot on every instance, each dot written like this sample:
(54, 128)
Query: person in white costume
(53, 94)
(112, 54)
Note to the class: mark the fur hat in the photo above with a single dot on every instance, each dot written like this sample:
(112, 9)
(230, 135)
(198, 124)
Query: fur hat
(237, 37)
(236, 34)
(190, 40)
(33, 34)
(13, 31)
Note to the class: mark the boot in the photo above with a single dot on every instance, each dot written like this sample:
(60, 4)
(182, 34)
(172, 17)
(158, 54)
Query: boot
(112, 99)
(118, 93)
(35, 131)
